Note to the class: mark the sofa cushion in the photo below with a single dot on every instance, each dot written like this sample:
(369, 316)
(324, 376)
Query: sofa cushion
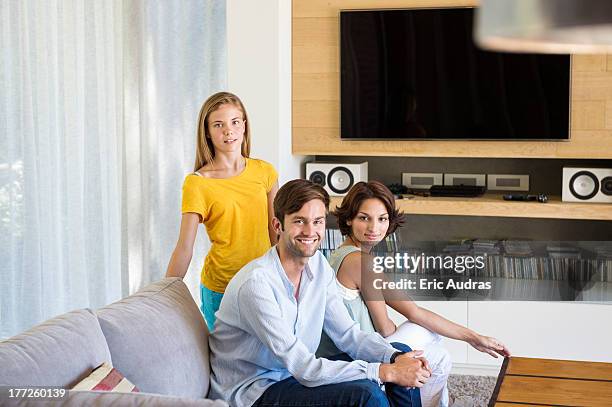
(101, 399)
(58, 352)
(106, 378)
(158, 339)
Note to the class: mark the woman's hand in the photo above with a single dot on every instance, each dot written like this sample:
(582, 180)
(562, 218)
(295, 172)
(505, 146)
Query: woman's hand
(489, 345)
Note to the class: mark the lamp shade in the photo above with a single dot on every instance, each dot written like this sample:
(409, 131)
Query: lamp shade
(545, 26)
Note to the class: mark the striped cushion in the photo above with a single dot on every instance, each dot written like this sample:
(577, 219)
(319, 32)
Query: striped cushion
(106, 378)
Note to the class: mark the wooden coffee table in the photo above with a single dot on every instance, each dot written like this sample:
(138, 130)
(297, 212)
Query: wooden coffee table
(547, 382)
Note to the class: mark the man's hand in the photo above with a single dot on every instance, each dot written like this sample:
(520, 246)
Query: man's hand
(489, 345)
(416, 354)
(409, 370)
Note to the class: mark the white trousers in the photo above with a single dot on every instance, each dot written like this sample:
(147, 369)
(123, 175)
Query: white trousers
(435, 392)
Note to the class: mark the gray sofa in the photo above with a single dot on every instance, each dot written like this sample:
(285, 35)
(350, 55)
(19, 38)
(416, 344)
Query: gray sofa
(156, 338)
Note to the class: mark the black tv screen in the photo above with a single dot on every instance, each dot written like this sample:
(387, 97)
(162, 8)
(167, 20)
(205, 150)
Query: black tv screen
(417, 74)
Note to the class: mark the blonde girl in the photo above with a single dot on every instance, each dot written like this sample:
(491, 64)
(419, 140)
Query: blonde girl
(231, 194)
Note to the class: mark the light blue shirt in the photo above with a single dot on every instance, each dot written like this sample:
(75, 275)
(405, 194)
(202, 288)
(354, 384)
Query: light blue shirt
(264, 335)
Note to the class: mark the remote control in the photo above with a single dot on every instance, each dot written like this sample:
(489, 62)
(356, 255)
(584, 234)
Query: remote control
(524, 197)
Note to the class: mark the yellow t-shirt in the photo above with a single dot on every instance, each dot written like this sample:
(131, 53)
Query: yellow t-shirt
(235, 213)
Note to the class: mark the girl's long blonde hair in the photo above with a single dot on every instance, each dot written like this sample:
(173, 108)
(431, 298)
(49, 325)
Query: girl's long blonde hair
(205, 150)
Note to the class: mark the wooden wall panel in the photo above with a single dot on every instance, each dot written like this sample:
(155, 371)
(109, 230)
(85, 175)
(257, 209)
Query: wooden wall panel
(315, 59)
(316, 86)
(316, 121)
(588, 114)
(329, 8)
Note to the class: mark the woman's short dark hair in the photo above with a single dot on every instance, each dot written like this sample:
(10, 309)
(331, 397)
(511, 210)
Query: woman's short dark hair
(355, 197)
(294, 194)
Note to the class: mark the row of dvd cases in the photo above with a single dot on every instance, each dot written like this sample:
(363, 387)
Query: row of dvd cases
(513, 259)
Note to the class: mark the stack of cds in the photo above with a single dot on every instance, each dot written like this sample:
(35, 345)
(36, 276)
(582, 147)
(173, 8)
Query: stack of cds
(516, 248)
(482, 246)
(508, 259)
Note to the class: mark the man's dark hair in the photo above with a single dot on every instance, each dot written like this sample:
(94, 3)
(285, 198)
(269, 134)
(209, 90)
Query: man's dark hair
(355, 197)
(294, 194)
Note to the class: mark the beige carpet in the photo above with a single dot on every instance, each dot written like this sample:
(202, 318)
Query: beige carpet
(470, 391)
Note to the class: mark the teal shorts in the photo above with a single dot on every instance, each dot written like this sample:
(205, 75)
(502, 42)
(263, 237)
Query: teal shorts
(211, 300)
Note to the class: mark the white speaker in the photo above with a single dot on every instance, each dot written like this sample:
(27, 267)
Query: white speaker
(336, 178)
(587, 185)
(421, 180)
(507, 182)
(465, 179)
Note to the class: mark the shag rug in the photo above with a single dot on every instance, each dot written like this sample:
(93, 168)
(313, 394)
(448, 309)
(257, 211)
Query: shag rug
(470, 391)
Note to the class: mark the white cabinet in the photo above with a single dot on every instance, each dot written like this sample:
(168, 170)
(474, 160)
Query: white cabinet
(550, 330)
(554, 330)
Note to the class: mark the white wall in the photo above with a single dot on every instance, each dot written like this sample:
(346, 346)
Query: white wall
(259, 71)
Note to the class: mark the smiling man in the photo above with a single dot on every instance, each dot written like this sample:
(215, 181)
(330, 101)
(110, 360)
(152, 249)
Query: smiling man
(273, 312)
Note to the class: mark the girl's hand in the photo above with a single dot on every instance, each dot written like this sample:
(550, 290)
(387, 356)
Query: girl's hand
(489, 345)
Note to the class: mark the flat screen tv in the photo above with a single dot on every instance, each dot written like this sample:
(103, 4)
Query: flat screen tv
(417, 74)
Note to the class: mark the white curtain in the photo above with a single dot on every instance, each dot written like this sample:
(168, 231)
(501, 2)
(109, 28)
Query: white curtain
(98, 108)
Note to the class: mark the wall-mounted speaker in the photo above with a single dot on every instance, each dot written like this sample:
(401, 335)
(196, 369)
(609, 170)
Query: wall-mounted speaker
(421, 180)
(478, 180)
(587, 185)
(507, 182)
(336, 178)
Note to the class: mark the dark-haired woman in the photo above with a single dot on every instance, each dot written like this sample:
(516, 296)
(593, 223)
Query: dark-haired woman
(366, 216)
